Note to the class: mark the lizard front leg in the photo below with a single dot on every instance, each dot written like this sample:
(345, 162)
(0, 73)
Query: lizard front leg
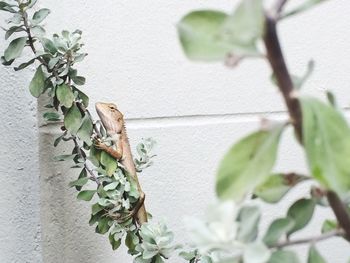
(117, 154)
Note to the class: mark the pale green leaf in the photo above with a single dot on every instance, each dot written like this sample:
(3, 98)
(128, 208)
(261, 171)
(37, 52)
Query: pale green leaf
(73, 119)
(24, 65)
(278, 228)
(13, 30)
(40, 15)
(249, 217)
(37, 84)
(14, 50)
(85, 131)
(277, 186)
(109, 163)
(65, 95)
(51, 116)
(245, 26)
(329, 225)
(49, 45)
(301, 212)
(80, 182)
(256, 253)
(315, 256)
(200, 38)
(248, 163)
(86, 195)
(284, 256)
(326, 138)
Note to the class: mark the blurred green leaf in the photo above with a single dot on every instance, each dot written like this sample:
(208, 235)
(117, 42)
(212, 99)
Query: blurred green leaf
(301, 212)
(73, 119)
(329, 225)
(115, 243)
(79, 182)
(284, 256)
(85, 130)
(245, 26)
(65, 95)
(7, 7)
(109, 163)
(79, 80)
(248, 163)
(277, 186)
(256, 253)
(278, 228)
(40, 15)
(199, 35)
(249, 217)
(315, 256)
(82, 96)
(48, 45)
(24, 65)
(51, 116)
(37, 84)
(13, 30)
(14, 50)
(86, 195)
(326, 138)
(102, 225)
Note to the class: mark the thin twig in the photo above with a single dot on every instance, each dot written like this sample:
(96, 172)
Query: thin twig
(279, 7)
(308, 240)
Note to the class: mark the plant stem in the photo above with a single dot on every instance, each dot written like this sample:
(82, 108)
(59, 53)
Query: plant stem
(337, 232)
(340, 212)
(285, 84)
(280, 70)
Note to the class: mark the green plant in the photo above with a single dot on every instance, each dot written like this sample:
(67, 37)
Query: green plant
(229, 233)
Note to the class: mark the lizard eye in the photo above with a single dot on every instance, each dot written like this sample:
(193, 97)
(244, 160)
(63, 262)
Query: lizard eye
(112, 107)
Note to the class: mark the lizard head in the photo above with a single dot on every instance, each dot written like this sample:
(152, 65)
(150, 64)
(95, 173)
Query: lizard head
(111, 118)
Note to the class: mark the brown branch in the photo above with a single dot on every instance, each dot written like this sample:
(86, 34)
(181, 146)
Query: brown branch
(327, 235)
(278, 8)
(280, 70)
(340, 212)
(285, 84)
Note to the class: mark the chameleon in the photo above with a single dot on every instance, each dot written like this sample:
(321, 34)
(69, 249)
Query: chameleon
(113, 121)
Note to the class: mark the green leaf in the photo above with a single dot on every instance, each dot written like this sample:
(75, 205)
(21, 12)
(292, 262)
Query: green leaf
(248, 163)
(40, 15)
(48, 45)
(303, 7)
(7, 7)
(13, 30)
(109, 163)
(115, 243)
(15, 48)
(95, 156)
(329, 225)
(284, 256)
(24, 65)
(199, 35)
(96, 208)
(83, 174)
(37, 84)
(326, 138)
(84, 98)
(315, 256)
(301, 212)
(245, 26)
(103, 226)
(51, 116)
(80, 182)
(85, 130)
(249, 217)
(86, 195)
(65, 95)
(277, 186)
(256, 253)
(79, 80)
(72, 119)
(277, 230)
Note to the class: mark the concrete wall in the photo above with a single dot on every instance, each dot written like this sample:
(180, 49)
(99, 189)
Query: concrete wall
(194, 111)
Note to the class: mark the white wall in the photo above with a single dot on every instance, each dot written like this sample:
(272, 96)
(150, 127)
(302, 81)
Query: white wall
(194, 111)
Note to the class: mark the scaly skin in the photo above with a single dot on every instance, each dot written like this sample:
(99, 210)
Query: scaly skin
(113, 120)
